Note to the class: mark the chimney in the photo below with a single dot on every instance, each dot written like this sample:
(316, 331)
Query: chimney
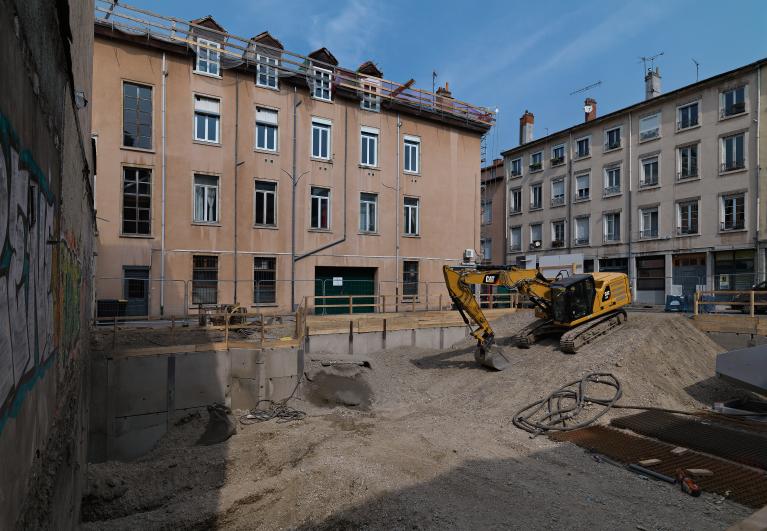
(526, 127)
(590, 109)
(652, 83)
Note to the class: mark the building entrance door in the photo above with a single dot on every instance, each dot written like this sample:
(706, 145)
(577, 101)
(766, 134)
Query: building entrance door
(136, 290)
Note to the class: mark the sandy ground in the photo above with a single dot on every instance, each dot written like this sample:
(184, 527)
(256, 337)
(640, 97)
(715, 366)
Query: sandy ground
(433, 449)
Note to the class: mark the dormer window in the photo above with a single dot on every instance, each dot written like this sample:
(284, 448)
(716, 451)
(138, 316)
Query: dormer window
(371, 101)
(267, 71)
(208, 58)
(322, 79)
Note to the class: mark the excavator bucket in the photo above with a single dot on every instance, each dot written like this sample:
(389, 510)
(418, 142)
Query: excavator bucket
(491, 357)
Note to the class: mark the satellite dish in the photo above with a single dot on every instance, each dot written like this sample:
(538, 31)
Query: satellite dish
(587, 108)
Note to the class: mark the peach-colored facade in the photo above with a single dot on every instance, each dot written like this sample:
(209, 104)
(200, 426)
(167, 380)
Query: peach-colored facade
(493, 216)
(447, 183)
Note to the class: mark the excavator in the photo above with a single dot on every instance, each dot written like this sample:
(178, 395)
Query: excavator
(579, 308)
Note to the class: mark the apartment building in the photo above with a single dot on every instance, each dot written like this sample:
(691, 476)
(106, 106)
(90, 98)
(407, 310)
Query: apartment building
(234, 170)
(666, 190)
(492, 243)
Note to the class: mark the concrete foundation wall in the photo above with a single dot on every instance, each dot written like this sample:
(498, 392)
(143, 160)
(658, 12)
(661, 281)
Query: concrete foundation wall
(371, 342)
(46, 226)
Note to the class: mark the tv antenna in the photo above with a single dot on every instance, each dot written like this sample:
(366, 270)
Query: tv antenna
(586, 88)
(651, 60)
(697, 69)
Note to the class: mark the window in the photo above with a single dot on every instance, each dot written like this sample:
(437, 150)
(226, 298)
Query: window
(208, 57)
(536, 236)
(486, 248)
(582, 230)
(137, 116)
(582, 187)
(687, 158)
(536, 196)
(204, 279)
(515, 198)
(558, 155)
(321, 89)
(206, 119)
(583, 147)
(411, 216)
(266, 71)
(412, 154)
(369, 147)
(486, 208)
(558, 233)
(649, 222)
(368, 212)
(612, 226)
(649, 127)
(733, 212)
(733, 157)
(320, 214)
(137, 201)
(409, 278)
(515, 239)
(516, 167)
(536, 161)
(264, 280)
(205, 199)
(266, 203)
(557, 192)
(613, 138)
(649, 176)
(612, 180)
(687, 217)
(321, 139)
(371, 101)
(266, 129)
(687, 116)
(733, 102)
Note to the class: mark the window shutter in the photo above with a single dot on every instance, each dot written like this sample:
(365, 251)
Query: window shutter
(266, 116)
(208, 105)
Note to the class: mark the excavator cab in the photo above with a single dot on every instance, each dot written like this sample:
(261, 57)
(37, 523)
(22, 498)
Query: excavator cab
(572, 298)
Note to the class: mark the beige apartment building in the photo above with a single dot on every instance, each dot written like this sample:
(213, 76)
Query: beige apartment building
(492, 244)
(229, 167)
(667, 190)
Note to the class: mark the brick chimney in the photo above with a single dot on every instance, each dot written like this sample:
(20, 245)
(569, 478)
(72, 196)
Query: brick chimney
(652, 83)
(526, 127)
(590, 109)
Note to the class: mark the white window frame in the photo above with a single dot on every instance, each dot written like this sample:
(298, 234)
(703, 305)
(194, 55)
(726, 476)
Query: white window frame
(680, 158)
(643, 177)
(617, 225)
(643, 228)
(322, 82)
(518, 247)
(723, 152)
(554, 225)
(539, 154)
(411, 147)
(642, 131)
(723, 209)
(553, 154)
(578, 156)
(412, 213)
(323, 126)
(320, 200)
(607, 138)
(578, 196)
(365, 205)
(196, 218)
(206, 48)
(579, 239)
(368, 136)
(512, 200)
(210, 117)
(540, 236)
(558, 199)
(513, 162)
(267, 67)
(271, 127)
(684, 203)
(533, 205)
(722, 98)
(613, 189)
(267, 194)
(371, 102)
(680, 108)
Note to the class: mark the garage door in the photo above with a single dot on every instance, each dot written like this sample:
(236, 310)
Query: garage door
(334, 285)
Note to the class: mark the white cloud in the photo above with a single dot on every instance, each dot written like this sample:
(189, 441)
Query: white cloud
(350, 33)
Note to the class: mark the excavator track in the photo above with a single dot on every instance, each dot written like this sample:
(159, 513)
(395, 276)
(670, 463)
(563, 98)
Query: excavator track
(588, 332)
(534, 331)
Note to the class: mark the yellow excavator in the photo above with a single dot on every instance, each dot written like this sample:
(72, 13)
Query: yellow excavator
(578, 307)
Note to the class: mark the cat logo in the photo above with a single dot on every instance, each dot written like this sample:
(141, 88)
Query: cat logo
(490, 279)
(607, 294)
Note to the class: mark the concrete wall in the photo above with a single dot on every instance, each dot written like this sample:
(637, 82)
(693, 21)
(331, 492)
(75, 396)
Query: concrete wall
(46, 224)
(447, 185)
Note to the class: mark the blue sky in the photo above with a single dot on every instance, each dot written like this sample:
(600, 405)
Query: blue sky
(510, 55)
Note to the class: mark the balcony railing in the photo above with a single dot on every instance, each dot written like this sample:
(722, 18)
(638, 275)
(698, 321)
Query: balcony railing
(516, 173)
(535, 166)
(648, 233)
(647, 135)
(581, 241)
(649, 182)
(688, 230)
(732, 110)
(515, 210)
(556, 161)
(687, 173)
(558, 243)
(732, 165)
(615, 144)
(612, 237)
(686, 124)
(582, 195)
(736, 224)
(515, 247)
(558, 200)
(536, 206)
(582, 153)
(612, 190)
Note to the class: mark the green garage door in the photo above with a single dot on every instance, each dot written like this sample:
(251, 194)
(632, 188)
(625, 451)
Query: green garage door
(334, 285)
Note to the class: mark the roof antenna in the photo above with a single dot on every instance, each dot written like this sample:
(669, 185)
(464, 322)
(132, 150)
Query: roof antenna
(697, 69)
(433, 81)
(586, 88)
(651, 60)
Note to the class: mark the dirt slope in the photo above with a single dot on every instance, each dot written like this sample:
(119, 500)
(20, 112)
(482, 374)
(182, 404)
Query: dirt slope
(434, 450)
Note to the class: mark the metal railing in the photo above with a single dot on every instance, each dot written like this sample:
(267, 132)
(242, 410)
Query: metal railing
(687, 173)
(643, 183)
(536, 166)
(689, 230)
(647, 234)
(557, 161)
(612, 145)
(647, 135)
(733, 109)
(681, 125)
(732, 165)
(612, 190)
(558, 200)
(725, 226)
(581, 241)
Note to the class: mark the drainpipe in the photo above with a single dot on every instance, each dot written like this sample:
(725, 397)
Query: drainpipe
(236, 168)
(294, 183)
(570, 196)
(396, 216)
(758, 170)
(629, 214)
(162, 235)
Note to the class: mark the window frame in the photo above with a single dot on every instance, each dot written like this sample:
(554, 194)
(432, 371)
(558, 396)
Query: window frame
(617, 226)
(654, 232)
(264, 62)
(642, 175)
(659, 116)
(578, 197)
(577, 155)
(197, 58)
(723, 115)
(365, 205)
(723, 211)
(539, 165)
(258, 293)
(136, 208)
(320, 200)
(533, 205)
(208, 115)
(576, 239)
(370, 102)
(679, 121)
(512, 200)
(610, 190)
(511, 238)
(680, 168)
(409, 143)
(739, 165)
(558, 199)
(558, 242)
(318, 73)
(368, 135)
(407, 293)
(539, 225)
(195, 299)
(679, 226)
(322, 124)
(512, 162)
(558, 161)
(607, 147)
(206, 187)
(266, 194)
(408, 210)
(274, 127)
(137, 110)
(486, 206)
